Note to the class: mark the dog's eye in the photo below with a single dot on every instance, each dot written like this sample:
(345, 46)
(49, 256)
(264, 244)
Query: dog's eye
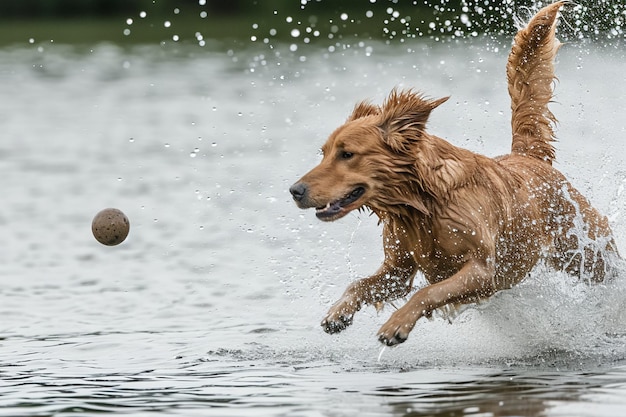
(346, 155)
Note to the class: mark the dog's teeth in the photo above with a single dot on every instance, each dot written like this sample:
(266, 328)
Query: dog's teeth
(326, 207)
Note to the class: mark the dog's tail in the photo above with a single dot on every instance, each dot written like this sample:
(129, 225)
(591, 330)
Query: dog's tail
(530, 73)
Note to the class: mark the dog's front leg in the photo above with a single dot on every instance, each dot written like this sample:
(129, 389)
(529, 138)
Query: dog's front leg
(475, 280)
(387, 284)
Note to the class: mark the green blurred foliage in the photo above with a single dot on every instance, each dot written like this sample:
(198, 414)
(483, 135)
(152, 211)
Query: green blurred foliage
(275, 19)
(65, 8)
(93, 8)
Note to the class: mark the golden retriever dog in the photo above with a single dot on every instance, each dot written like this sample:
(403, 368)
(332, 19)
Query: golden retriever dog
(472, 225)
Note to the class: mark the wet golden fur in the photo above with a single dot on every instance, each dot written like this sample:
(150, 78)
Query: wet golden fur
(472, 225)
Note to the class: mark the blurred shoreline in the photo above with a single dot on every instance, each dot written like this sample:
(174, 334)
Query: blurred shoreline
(319, 22)
(117, 30)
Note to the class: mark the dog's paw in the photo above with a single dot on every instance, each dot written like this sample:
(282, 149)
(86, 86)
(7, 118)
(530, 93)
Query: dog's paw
(340, 316)
(398, 327)
(394, 336)
(335, 325)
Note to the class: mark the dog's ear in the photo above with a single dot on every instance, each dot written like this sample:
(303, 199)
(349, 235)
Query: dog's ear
(403, 118)
(364, 109)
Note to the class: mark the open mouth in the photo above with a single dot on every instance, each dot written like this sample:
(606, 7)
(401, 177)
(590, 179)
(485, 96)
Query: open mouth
(337, 209)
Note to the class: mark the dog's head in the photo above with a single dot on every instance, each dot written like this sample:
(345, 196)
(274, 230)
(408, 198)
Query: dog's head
(370, 161)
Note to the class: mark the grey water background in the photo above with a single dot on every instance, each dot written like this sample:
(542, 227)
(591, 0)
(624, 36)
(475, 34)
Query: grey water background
(212, 305)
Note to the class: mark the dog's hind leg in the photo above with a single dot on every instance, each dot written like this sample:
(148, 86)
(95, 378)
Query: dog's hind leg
(583, 240)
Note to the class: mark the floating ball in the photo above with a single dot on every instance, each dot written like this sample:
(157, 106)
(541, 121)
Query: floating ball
(110, 227)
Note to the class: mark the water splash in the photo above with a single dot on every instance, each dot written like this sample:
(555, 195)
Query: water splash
(380, 355)
(444, 21)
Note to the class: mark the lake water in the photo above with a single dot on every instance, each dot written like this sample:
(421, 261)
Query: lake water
(212, 305)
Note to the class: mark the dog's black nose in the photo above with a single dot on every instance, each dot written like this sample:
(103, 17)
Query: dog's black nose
(298, 191)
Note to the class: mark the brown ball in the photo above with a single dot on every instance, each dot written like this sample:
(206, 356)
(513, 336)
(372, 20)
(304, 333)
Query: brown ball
(110, 227)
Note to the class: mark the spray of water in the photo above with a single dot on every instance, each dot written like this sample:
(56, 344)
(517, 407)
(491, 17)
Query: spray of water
(444, 21)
